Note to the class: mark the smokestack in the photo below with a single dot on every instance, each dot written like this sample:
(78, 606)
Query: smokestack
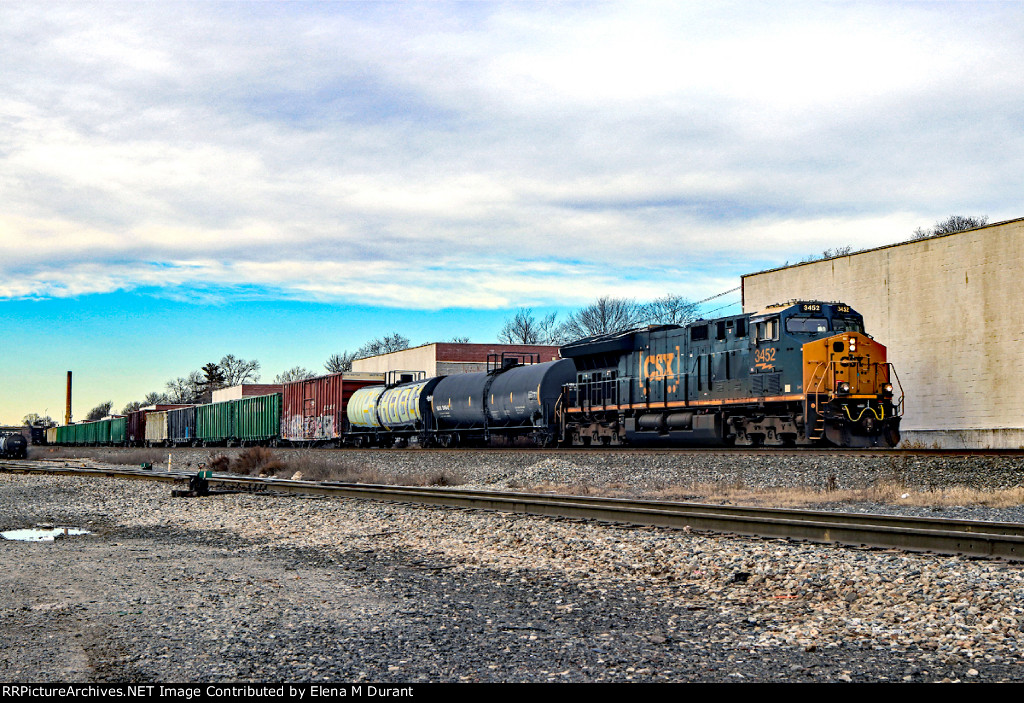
(67, 411)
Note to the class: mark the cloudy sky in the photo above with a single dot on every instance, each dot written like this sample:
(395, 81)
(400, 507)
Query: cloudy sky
(282, 181)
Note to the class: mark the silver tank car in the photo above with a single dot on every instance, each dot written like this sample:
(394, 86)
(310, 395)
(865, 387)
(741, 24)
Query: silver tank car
(384, 415)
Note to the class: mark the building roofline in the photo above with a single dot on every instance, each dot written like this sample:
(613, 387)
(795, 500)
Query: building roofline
(884, 246)
(459, 344)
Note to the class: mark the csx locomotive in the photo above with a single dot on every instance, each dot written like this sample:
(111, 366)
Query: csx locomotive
(796, 374)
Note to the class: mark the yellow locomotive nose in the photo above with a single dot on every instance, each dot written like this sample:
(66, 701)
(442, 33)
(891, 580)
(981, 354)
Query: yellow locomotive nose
(848, 383)
(849, 364)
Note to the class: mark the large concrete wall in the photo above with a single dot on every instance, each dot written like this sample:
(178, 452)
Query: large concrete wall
(422, 358)
(951, 311)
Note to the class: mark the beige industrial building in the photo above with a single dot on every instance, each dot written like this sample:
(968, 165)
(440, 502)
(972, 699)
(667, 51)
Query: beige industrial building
(245, 390)
(447, 358)
(951, 311)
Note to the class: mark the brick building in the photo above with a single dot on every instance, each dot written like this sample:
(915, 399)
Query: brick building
(445, 358)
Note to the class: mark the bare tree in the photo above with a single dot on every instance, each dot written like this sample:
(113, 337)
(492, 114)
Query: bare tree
(670, 310)
(186, 390)
(337, 363)
(829, 253)
(525, 328)
(954, 223)
(296, 373)
(604, 316)
(100, 411)
(155, 398)
(459, 340)
(131, 407)
(37, 419)
(238, 371)
(383, 345)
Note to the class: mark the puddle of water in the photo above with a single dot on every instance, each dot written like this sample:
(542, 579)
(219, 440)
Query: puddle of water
(42, 534)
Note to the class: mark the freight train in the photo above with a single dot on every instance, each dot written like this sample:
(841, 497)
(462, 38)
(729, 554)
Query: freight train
(803, 373)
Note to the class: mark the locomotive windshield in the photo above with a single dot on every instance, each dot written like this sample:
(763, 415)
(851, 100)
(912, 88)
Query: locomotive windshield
(847, 325)
(806, 325)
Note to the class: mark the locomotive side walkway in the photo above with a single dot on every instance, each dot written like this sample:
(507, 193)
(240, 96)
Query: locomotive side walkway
(243, 587)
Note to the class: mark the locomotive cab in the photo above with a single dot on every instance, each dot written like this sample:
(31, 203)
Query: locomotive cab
(846, 385)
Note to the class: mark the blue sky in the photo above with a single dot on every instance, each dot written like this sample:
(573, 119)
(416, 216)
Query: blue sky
(282, 181)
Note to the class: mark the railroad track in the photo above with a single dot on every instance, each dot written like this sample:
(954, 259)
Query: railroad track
(941, 536)
(569, 451)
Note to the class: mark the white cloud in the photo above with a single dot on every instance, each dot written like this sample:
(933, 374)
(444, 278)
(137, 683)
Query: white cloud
(440, 154)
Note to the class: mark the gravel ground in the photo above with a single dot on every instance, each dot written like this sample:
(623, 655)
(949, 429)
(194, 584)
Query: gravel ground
(636, 473)
(252, 588)
(641, 470)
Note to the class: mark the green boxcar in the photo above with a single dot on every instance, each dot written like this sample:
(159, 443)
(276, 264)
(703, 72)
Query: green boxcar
(258, 418)
(215, 422)
(81, 433)
(101, 435)
(117, 430)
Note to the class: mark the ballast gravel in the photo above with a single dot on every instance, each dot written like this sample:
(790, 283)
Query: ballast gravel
(257, 588)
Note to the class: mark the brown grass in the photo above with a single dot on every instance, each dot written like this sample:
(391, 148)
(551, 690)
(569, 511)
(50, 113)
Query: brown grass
(917, 445)
(255, 461)
(892, 493)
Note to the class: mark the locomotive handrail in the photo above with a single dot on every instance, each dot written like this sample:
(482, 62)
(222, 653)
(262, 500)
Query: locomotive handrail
(817, 389)
(898, 406)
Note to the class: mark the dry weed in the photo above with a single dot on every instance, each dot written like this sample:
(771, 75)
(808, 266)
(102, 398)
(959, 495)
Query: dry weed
(258, 460)
(730, 492)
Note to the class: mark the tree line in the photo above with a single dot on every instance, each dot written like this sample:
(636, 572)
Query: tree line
(953, 223)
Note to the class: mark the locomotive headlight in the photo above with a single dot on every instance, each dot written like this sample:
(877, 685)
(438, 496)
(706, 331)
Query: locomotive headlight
(853, 345)
(843, 387)
(887, 389)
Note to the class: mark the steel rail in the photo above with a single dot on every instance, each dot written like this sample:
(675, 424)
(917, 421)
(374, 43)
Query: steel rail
(942, 536)
(611, 450)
